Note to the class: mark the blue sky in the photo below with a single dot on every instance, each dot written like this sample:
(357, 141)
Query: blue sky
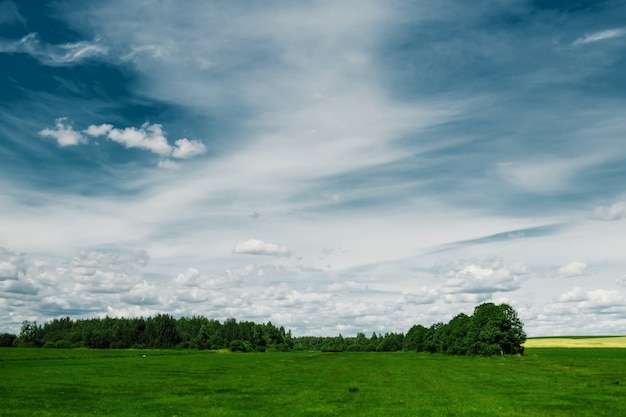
(333, 167)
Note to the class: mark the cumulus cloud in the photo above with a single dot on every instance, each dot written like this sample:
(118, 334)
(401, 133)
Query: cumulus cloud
(423, 295)
(599, 301)
(613, 213)
(12, 265)
(141, 294)
(258, 247)
(283, 296)
(185, 148)
(189, 278)
(149, 137)
(64, 133)
(54, 55)
(88, 284)
(100, 130)
(101, 272)
(600, 36)
(572, 269)
(19, 287)
(484, 277)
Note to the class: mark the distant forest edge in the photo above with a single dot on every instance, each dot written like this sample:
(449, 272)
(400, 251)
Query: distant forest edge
(491, 330)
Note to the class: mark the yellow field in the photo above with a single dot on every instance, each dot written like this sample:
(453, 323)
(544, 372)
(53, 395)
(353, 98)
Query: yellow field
(566, 342)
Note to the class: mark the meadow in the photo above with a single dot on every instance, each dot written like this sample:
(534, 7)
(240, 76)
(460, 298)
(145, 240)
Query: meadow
(88, 382)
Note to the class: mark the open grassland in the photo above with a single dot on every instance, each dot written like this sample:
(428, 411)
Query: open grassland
(545, 382)
(577, 342)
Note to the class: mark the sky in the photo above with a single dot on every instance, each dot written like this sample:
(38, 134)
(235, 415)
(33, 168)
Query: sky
(331, 167)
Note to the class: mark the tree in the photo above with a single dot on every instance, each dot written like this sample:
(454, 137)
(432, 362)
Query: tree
(391, 342)
(7, 339)
(415, 338)
(29, 335)
(495, 329)
(455, 335)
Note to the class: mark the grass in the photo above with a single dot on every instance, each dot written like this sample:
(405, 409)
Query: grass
(545, 382)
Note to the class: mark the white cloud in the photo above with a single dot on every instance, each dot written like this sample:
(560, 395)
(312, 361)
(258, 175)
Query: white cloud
(64, 133)
(98, 272)
(575, 295)
(148, 137)
(423, 295)
(185, 148)
(600, 36)
(598, 301)
(87, 285)
(142, 294)
(613, 213)
(152, 138)
(284, 296)
(100, 130)
(189, 278)
(19, 287)
(486, 277)
(12, 265)
(258, 247)
(606, 300)
(572, 269)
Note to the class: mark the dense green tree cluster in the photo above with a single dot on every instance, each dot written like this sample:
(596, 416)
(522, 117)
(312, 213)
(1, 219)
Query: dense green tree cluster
(158, 332)
(7, 339)
(491, 330)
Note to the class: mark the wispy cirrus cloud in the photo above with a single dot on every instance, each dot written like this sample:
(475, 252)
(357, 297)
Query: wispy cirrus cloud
(65, 54)
(601, 36)
(9, 13)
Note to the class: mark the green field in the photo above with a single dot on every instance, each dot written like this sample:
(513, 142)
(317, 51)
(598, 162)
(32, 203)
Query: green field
(545, 382)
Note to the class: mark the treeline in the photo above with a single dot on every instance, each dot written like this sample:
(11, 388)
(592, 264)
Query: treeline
(390, 342)
(491, 330)
(160, 332)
